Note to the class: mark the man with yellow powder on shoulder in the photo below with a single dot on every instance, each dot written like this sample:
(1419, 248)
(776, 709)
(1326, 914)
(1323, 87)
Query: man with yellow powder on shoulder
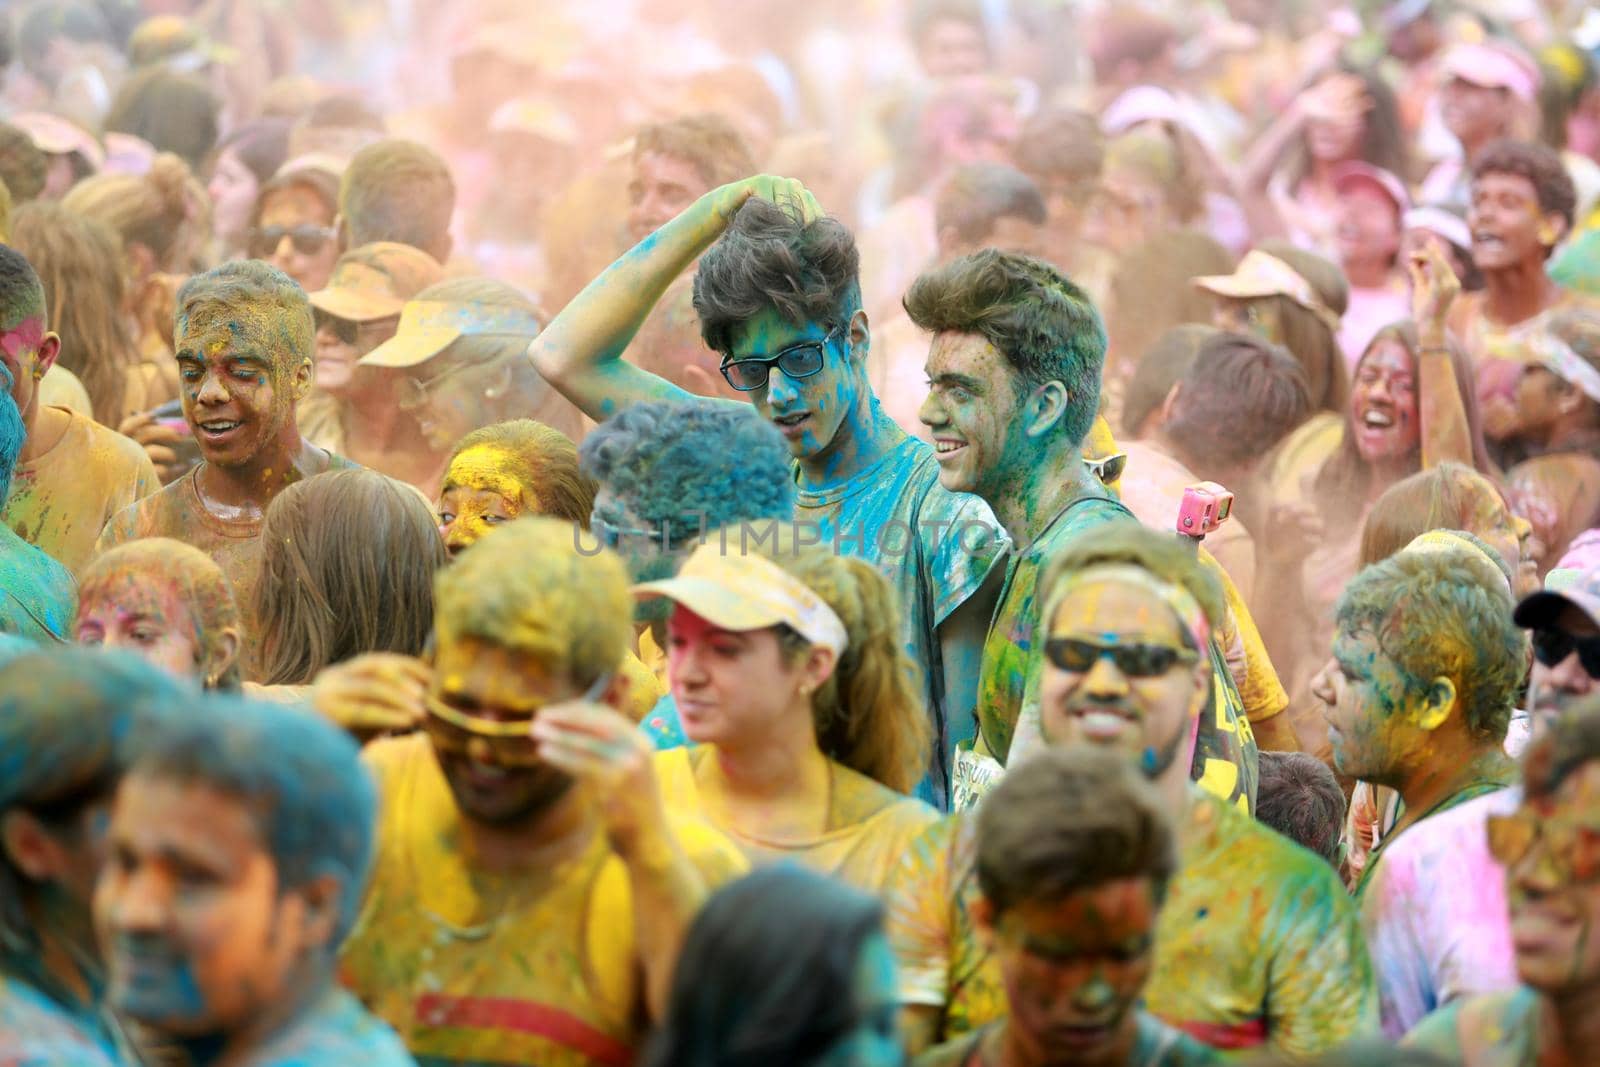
(73, 473)
(1258, 943)
(530, 894)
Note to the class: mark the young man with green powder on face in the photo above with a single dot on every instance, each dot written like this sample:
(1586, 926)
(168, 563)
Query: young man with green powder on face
(778, 296)
(1014, 369)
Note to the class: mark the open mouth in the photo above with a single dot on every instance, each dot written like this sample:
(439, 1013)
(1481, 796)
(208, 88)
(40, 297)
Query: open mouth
(944, 446)
(1100, 723)
(791, 425)
(217, 429)
(1483, 239)
(1377, 420)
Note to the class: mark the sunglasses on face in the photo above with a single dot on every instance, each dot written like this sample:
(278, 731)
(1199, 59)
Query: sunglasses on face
(346, 330)
(1552, 647)
(307, 239)
(1134, 660)
(1571, 848)
(798, 361)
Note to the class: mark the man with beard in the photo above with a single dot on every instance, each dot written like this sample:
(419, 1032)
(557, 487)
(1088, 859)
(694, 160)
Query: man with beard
(529, 895)
(1258, 942)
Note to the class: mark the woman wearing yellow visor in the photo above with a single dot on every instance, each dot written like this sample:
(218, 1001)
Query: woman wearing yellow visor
(801, 705)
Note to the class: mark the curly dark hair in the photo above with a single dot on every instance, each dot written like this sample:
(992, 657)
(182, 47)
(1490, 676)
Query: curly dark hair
(1540, 165)
(657, 457)
(1045, 326)
(772, 260)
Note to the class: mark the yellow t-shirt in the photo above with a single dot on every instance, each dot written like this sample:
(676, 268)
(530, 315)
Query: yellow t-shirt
(1257, 941)
(548, 974)
(873, 825)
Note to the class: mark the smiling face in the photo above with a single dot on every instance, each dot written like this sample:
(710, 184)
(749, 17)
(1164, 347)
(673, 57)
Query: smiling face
(450, 398)
(662, 188)
(200, 937)
(972, 410)
(1383, 403)
(1555, 917)
(1367, 705)
(730, 687)
(1073, 970)
(143, 614)
(1147, 718)
(809, 411)
(239, 387)
(1506, 222)
(482, 489)
(492, 783)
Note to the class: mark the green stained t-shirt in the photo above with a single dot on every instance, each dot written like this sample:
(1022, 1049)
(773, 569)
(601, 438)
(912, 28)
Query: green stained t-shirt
(1257, 943)
(37, 596)
(935, 547)
(1493, 1030)
(1012, 660)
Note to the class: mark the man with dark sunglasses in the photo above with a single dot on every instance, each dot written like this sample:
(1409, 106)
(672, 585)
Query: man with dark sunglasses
(1258, 943)
(1566, 637)
(778, 297)
(1549, 847)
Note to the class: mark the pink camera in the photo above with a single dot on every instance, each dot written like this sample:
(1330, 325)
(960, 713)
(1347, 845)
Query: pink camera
(1205, 508)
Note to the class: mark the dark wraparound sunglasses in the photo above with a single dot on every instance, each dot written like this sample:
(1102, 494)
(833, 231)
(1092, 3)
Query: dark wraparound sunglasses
(1135, 660)
(1551, 647)
(797, 361)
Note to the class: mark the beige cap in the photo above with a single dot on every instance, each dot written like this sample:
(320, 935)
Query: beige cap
(428, 327)
(1261, 274)
(738, 591)
(375, 281)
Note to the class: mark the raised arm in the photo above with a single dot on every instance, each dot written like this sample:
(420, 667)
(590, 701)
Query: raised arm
(580, 352)
(1440, 411)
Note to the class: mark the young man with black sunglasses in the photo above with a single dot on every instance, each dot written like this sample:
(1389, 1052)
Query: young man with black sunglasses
(778, 297)
(1258, 943)
(1566, 640)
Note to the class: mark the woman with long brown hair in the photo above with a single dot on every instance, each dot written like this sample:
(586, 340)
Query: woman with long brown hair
(347, 567)
(790, 678)
(78, 260)
(158, 216)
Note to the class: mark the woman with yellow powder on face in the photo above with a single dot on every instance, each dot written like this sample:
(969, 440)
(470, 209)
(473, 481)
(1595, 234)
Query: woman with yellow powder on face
(516, 468)
(791, 681)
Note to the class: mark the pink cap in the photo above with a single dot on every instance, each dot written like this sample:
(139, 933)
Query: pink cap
(1354, 172)
(1494, 65)
(1441, 221)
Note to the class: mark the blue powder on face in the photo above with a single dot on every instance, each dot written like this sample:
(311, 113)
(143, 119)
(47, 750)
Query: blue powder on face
(12, 432)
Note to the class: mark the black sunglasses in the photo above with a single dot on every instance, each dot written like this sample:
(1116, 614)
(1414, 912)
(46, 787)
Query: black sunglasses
(1551, 647)
(346, 330)
(307, 239)
(797, 361)
(1134, 660)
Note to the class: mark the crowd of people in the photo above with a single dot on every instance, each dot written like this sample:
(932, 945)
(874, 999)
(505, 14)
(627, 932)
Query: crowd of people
(695, 533)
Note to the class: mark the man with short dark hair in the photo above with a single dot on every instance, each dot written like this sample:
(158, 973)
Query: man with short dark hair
(778, 297)
(1300, 798)
(1522, 208)
(398, 190)
(269, 809)
(1427, 664)
(1547, 849)
(244, 350)
(1074, 856)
